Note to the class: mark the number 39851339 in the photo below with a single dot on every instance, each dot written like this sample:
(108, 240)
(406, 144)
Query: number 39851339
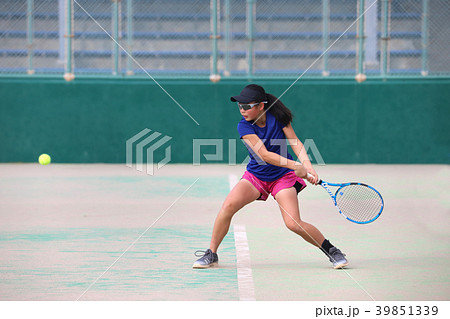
(407, 310)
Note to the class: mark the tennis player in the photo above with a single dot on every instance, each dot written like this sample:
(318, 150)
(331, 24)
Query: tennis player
(265, 128)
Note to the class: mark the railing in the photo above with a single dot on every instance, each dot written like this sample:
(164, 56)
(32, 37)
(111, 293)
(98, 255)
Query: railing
(228, 38)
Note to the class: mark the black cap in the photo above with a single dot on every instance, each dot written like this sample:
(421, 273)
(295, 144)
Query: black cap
(250, 93)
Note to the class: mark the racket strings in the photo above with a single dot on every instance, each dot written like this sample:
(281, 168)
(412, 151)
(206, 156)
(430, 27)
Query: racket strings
(359, 202)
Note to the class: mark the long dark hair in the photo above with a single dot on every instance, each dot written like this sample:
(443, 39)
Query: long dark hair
(278, 109)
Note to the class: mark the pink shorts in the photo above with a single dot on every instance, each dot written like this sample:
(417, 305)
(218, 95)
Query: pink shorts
(265, 188)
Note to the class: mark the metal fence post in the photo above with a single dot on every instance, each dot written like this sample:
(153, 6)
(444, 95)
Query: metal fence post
(214, 76)
(115, 34)
(228, 35)
(424, 38)
(130, 37)
(360, 77)
(385, 37)
(30, 33)
(325, 34)
(251, 13)
(69, 74)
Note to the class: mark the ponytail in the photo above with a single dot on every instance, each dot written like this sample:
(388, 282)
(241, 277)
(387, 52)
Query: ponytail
(278, 109)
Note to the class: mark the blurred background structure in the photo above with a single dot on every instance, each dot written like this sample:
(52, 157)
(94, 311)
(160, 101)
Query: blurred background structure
(226, 38)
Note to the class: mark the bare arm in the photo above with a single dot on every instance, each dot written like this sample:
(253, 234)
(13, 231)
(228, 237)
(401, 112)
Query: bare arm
(300, 152)
(257, 146)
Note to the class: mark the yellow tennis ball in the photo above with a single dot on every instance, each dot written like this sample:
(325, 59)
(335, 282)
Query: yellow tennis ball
(44, 159)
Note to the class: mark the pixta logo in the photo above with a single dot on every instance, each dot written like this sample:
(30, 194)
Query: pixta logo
(145, 143)
(141, 142)
(309, 145)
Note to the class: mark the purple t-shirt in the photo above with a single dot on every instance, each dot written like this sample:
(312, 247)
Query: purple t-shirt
(273, 137)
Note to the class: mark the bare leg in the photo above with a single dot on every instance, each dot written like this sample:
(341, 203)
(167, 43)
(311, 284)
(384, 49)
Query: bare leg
(242, 194)
(288, 202)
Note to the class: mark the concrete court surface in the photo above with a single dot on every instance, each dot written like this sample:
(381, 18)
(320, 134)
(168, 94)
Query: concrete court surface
(109, 232)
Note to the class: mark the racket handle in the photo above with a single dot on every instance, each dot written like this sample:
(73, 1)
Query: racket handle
(319, 182)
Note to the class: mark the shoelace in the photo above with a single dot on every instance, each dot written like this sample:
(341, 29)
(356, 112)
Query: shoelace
(202, 252)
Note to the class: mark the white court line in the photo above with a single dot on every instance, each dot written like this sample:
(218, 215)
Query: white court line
(244, 270)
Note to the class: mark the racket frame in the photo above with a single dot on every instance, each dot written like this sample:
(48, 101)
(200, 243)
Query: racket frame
(325, 184)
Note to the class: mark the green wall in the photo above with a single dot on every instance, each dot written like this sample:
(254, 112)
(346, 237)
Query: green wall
(89, 120)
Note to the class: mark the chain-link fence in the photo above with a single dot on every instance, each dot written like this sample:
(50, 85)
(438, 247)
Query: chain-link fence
(225, 38)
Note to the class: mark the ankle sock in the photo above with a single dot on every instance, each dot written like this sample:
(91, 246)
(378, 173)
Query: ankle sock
(326, 246)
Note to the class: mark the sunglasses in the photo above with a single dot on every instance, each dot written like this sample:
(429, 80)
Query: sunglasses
(247, 107)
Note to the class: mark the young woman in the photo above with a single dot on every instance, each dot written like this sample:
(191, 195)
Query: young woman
(265, 128)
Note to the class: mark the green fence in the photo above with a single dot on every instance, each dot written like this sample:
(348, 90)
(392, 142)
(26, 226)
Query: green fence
(90, 121)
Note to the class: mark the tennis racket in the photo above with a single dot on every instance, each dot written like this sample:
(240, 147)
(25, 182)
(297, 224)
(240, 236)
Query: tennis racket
(357, 202)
